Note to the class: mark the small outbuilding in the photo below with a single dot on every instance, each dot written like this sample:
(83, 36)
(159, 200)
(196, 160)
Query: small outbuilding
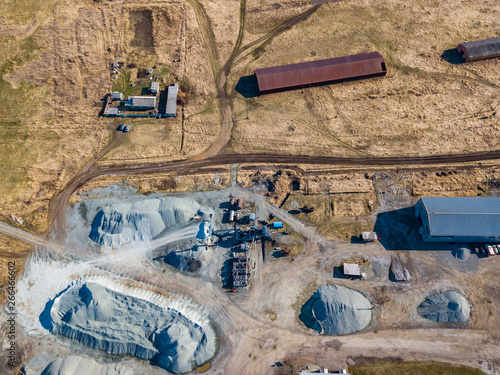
(480, 49)
(288, 77)
(369, 236)
(352, 269)
(117, 95)
(140, 103)
(459, 219)
(154, 87)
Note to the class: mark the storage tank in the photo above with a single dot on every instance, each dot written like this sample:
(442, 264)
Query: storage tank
(231, 216)
(239, 202)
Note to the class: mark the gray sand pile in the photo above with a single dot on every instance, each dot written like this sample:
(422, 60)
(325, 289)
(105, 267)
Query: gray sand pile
(191, 256)
(76, 365)
(121, 324)
(141, 220)
(445, 307)
(336, 310)
(461, 252)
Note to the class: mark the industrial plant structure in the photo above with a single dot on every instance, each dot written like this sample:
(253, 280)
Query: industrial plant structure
(287, 77)
(454, 219)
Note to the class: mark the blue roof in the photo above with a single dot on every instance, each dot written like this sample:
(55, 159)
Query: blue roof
(457, 216)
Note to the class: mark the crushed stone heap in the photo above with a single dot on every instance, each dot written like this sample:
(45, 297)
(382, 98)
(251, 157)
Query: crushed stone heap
(445, 307)
(336, 310)
(121, 223)
(76, 365)
(121, 324)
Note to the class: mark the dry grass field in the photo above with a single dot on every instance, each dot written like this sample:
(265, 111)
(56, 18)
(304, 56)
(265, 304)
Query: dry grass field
(427, 103)
(55, 60)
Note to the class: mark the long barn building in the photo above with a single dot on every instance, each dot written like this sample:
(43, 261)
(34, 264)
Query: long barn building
(459, 219)
(288, 77)
(480, 49)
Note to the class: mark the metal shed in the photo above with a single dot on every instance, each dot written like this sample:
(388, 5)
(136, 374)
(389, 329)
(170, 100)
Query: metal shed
(459, 219)
(293, 76)
(480, 49)
(171, 107)
(154, 87)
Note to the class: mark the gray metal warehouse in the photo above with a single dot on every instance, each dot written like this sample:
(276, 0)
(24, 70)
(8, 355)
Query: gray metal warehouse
(459, 219)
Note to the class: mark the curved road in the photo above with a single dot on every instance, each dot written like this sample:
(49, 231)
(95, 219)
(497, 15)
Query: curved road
(58, 206)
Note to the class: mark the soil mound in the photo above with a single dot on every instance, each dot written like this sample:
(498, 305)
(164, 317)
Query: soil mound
(121, 223)
(445, 307)
(121, 324)
(336, 310)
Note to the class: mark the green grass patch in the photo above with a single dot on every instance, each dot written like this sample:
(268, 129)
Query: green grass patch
(411, 368)
(123, 83)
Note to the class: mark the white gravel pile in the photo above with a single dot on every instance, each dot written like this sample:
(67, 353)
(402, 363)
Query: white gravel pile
(445, 307)
(336, 310)
(121, 322)
(120, 223)
(76, 365)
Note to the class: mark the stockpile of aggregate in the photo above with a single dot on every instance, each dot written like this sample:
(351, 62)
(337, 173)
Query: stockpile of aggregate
(124, 222)
(76, 365)
(461, 252)
(445, 307)
(398, 270)
(336, 310)
(119, 323)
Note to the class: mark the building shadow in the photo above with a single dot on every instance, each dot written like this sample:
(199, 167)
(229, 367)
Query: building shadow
(162, 103)
(104, 101)
(452, 56)
(357, 240)
(278, 254)
(399, 230)
(247, 86)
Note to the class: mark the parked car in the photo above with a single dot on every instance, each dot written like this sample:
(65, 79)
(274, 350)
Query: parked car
(482, 250)
(489, 250)
(127, 128)
(497, 249)
(120, 127)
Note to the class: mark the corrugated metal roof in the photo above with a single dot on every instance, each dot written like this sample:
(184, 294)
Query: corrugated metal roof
(173, 89)
(312, 72)
(352, 269)
(462, 216)
(141, 101)
(112, 111)
(171, 106)
(480, 49)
